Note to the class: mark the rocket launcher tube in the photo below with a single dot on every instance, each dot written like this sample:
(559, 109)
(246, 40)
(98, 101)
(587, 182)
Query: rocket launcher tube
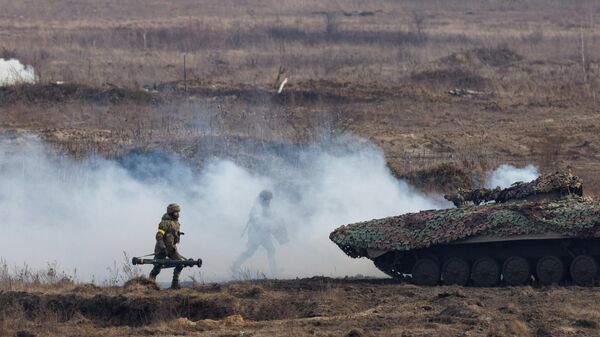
(168, 263)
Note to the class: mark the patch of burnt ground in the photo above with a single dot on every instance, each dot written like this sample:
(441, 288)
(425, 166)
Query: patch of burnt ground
(58, 93)
(299, 93)
(450, 78)
(169, 91)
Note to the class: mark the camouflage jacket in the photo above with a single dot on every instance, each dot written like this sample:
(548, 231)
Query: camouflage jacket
(167, 238)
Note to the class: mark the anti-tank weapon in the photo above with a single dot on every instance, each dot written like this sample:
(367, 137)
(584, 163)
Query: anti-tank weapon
(168, 263)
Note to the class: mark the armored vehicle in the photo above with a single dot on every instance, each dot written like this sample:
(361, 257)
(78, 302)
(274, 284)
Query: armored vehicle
(542, 231)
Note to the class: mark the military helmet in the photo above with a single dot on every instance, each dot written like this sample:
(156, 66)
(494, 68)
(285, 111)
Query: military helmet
(173, 208)
(265, 195)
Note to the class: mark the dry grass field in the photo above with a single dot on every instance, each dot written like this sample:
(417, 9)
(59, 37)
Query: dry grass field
(447, 89)
(524, 76)
(382, 70)
(49, 302)
(306, 307)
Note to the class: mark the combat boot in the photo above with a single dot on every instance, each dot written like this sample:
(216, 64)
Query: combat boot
(152, 278)
(175, 284)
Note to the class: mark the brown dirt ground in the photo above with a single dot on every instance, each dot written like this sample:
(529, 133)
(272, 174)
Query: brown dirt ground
(305, 307)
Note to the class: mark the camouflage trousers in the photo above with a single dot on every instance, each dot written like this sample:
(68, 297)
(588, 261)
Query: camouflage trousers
(251, 248)
(156, 270)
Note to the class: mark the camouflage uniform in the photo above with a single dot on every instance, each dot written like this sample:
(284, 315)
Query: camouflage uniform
(261, 226)
(167, 238)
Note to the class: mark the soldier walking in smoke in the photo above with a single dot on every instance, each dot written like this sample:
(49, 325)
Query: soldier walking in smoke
(260, 227)
(167, 238)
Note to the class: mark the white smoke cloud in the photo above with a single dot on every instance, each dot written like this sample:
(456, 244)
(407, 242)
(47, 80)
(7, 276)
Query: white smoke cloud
(13, 72)
(506, 175)
(83, 215)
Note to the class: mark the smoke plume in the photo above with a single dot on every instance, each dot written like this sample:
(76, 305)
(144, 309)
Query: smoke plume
(506, 175)
(13, 72)
(84, 214)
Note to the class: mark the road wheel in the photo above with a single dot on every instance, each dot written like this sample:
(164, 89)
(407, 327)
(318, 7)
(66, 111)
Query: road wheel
(389, 264)
(549, 270)
(426, 272)
(584, 270)
(455, 271)
(516, 271)
(485, 272)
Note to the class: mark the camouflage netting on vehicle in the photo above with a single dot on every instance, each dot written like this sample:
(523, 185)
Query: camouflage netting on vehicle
(573, 217)
(559, 184)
